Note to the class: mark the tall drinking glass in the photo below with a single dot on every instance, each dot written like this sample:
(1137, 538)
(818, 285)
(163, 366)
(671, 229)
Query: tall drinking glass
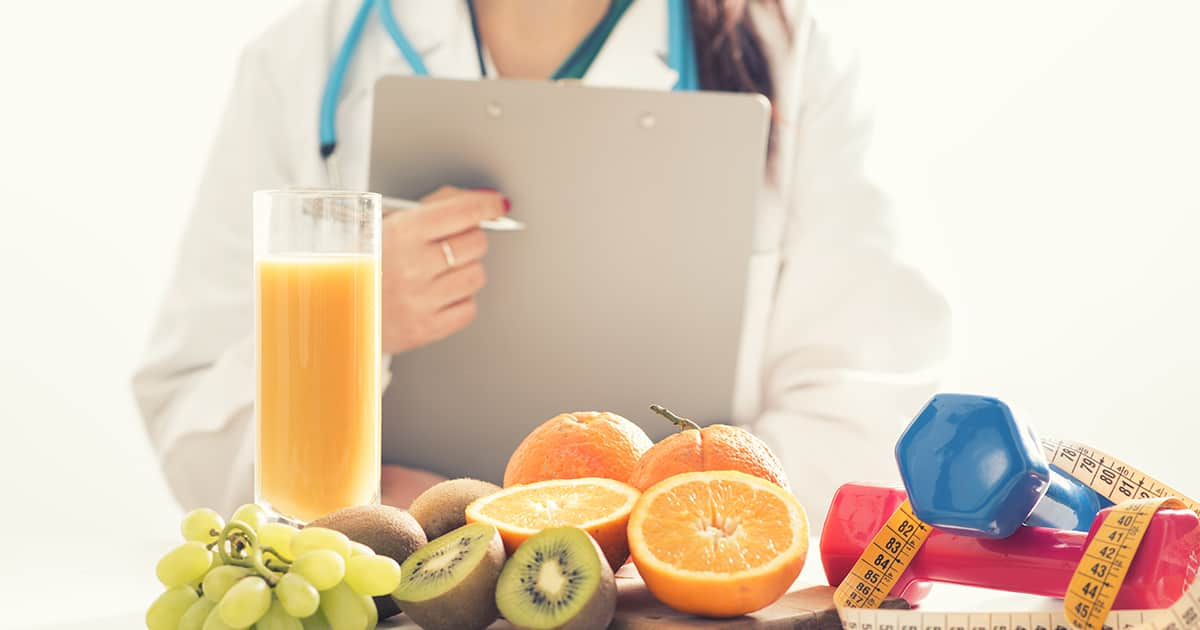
(316, 268)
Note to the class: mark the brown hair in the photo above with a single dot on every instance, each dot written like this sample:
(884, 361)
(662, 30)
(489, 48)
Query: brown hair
(729, 51)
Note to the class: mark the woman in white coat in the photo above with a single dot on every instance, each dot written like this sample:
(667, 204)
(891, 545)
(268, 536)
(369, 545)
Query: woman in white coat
(853, 338)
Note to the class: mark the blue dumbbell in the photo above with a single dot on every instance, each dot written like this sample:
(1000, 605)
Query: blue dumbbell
(970, 467)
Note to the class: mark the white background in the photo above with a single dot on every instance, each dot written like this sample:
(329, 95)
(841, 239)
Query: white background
(1055, 142)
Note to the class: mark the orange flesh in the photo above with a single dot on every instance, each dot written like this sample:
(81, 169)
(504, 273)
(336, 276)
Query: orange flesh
(717, 526)
(539, 508)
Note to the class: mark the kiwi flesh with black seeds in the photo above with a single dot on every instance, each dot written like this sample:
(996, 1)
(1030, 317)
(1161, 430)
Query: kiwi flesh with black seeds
(388, 531)
(557, 579)
(450, 584)
(443, 507)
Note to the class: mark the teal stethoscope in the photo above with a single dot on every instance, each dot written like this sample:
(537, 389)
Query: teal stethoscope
(681, 57)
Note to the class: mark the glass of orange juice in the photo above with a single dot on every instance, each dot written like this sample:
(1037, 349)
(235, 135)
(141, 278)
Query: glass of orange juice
(317, 406)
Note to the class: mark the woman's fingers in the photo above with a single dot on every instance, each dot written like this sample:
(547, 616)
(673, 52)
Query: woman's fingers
(440, 218)
(457, 285)
(453, 318)
(432, 268)
(463, 249)
(432, 259)
(444, 192)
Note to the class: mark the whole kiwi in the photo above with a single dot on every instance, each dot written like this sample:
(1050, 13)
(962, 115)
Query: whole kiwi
(442, 508)
(388, 531)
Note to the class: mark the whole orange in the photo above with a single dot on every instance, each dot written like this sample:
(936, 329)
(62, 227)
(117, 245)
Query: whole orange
(580, 444)
(715, 447)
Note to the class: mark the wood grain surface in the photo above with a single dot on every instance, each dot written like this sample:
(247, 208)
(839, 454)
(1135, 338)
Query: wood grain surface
(805, 607)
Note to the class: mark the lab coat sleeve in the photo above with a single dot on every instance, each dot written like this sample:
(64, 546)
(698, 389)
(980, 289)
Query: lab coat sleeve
(195, 385)
(858, 337)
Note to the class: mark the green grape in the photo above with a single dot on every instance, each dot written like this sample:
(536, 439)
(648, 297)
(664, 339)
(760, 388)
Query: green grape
(216, 561)
(221, 579)
(359, 549)
(343, 609)
(168, 609)
(322, 568)
(278, 536)
(214, 621)
(186, 563)
(299, 597)
(368, 605)
(201, 525)
(315, 621)
(313, 538)
(251, 515)
(194, 618)
(278, 619)
(372, 575)
(245, 603)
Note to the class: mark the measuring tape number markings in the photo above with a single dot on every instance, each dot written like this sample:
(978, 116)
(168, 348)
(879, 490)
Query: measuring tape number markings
(1093, 587)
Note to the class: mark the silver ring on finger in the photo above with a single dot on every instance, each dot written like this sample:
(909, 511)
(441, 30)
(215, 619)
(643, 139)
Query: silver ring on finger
(451, 261)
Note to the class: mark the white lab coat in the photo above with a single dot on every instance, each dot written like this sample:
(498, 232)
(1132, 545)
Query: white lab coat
(843, 339)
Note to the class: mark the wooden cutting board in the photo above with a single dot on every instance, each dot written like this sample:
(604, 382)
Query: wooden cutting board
(805, 607)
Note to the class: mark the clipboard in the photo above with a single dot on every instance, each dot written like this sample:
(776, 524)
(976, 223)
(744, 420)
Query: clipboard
(628, 284)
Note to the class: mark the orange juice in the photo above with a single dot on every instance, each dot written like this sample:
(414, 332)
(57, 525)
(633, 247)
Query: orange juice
(318, 383)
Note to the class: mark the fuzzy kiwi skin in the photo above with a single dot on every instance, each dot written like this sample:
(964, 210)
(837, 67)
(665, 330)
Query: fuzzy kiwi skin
(470, 604)
(599, 611)
(388, 531)
(442, 508)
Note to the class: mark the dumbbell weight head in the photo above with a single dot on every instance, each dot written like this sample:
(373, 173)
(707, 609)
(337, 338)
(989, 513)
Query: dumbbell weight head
(1165, 564)
(858, 512)
(972, 467)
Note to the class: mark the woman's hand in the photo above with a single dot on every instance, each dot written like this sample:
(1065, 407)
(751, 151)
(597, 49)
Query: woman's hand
(425, 297)
(400, 485)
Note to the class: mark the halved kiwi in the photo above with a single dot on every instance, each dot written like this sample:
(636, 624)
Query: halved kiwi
(450, 583)
(557, 578)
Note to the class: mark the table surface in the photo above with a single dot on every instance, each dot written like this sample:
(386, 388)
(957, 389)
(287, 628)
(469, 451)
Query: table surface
(55, 585)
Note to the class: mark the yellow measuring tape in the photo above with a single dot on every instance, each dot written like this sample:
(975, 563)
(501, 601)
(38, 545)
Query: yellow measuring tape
(1093, 588)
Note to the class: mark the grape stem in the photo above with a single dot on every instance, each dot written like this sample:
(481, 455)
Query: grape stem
(274, 552)
(238, 545)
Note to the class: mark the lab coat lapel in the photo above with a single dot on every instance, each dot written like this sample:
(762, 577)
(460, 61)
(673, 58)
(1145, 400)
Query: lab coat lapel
(440, 31)
(635, 54)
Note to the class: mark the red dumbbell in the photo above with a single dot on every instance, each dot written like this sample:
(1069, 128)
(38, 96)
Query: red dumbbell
(1035, 560)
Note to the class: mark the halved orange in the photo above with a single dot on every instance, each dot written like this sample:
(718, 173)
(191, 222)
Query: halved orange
(718, 543)
(601, 507)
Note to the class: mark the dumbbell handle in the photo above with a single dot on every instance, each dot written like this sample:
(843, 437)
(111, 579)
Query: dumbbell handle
(1068, 504)
(1034, 560)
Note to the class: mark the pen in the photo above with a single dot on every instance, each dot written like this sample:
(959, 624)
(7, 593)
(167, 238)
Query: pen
(499, 224)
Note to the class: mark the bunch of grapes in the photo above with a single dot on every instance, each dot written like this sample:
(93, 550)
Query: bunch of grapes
(269, 576)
